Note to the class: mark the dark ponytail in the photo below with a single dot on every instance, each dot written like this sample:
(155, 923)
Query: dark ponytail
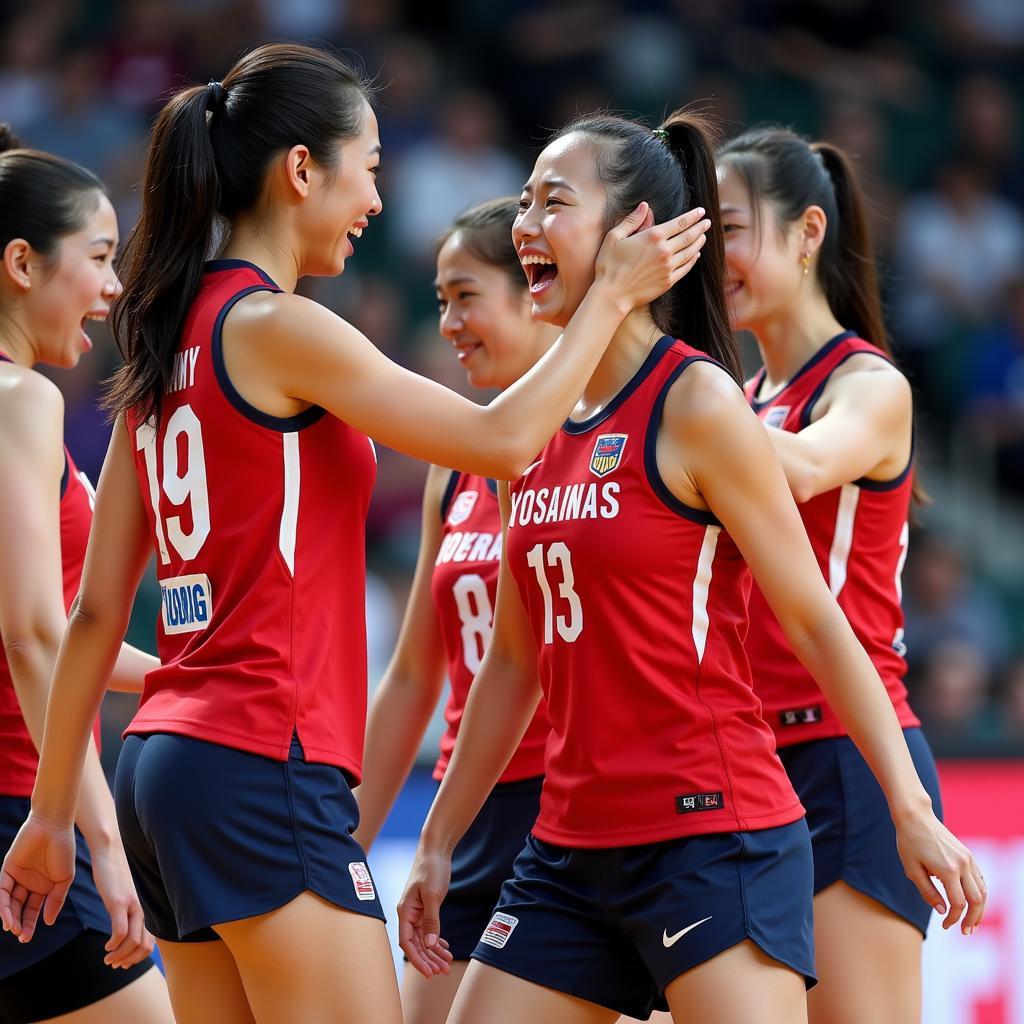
(792, 174)
(43, 198)
(485, 229)
(673, 170)
(209, 152)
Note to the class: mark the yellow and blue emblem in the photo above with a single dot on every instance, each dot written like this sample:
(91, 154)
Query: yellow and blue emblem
(607, 453)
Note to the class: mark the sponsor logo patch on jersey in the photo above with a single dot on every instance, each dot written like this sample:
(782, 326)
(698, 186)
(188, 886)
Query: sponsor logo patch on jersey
(500, 930)
(607, 453)
(801, 716)
(775, 416)
(462, 507)
(690, 802)
(361, 880)
(186, 603)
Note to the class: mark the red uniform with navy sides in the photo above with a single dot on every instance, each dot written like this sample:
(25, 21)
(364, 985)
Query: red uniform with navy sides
(859, 535)
(259, 528)
(20, 759)
(464, 586)
(637, 603)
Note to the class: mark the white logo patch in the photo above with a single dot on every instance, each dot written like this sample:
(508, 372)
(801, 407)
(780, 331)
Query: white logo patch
(186, 603)
(462, 507)
(668, 941)
(361, 880)
(776, 416)
(500, 930)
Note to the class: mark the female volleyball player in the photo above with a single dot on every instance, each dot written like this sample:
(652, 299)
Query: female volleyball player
(801, 276)
(485, 313)
(58, 234)
(670, 859)
(240, 455)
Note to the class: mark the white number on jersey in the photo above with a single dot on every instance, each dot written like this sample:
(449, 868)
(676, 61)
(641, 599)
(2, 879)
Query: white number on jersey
(477, 618)
(181, 482)
(558, 556)
(898, 643)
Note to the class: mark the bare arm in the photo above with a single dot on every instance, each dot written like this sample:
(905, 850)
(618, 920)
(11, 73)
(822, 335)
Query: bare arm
(862, 428)
(317, 357)
(501, 704)
(130, 669)
(730, 464)
(411, 685)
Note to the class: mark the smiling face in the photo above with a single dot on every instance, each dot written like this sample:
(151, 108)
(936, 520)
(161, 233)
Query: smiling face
(762, 256)
(342, 201)
(76, 285)
(486, 317)
(560, 227)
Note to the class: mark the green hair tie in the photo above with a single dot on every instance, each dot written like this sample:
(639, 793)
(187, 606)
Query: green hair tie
(661, 134)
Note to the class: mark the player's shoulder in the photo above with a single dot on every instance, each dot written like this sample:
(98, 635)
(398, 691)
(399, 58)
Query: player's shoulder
(29, 398)
(869, 374)
(702, 397)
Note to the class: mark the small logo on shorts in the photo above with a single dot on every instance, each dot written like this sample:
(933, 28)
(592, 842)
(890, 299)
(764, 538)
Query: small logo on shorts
(699, 802)
(361, 880)
(668, 941)
(801, 716)
(498, 932)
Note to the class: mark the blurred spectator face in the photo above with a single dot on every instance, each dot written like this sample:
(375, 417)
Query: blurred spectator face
(953, 687)
(561, 224)
(486, 318)
(764, 275)
(1013, 699)
(937, 573)
(471, 121)
(986, 117)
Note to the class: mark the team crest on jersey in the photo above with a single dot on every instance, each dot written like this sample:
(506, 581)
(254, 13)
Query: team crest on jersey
(607, 453)
(499, 931)
(186, 603)
(462, 507)
(776, 416)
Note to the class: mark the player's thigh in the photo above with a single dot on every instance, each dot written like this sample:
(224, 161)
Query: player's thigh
(429, 1002)
(658, 1017)
(144, 1001)
(204, 983)
(742, 985)
(491, 996)
(312, 961)
(869, 961)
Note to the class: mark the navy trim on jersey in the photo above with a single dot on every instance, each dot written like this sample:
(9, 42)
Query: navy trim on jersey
(5, 358)
(891, 485)
(492, 485)
(698, 515)
(284, 424)
(212, 266)
(64, 476)
(757, 404)
(805, 416)
(449, 493)
(652, 360)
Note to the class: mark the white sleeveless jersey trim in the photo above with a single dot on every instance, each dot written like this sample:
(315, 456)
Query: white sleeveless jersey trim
(290, 509)
(701, 588)
(842, 539)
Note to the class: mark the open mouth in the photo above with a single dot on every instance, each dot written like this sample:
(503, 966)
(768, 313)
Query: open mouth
(541, 272)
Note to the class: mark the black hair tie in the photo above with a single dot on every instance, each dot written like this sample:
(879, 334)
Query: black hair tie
(215, 97)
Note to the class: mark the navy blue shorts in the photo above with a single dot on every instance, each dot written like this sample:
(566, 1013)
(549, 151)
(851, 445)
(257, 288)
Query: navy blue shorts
(852, 834)
(215, 834)
(483, 861)
(617, 926)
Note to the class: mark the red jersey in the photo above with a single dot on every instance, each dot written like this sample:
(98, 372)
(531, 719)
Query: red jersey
(638, 607)
(859, 535)
(464, 585)
(19, 758)
(259, 528)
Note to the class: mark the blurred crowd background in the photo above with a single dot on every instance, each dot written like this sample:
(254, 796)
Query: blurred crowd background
(926, 93)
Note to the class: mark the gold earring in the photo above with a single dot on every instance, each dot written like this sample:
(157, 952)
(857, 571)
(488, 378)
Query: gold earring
(806, 261)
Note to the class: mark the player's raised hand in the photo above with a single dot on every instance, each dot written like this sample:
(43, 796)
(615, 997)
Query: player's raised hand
(640, 260)
(419, 914)
(36, 875)
(929, 851)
